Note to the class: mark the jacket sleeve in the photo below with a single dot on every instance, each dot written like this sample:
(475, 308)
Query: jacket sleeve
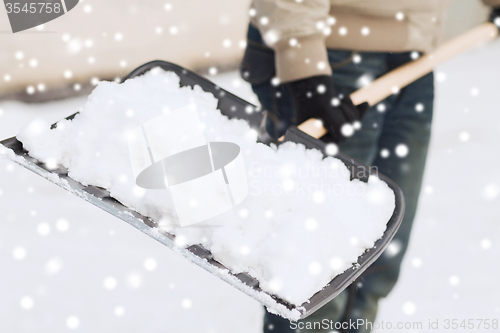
(296, 31)
(492, 3)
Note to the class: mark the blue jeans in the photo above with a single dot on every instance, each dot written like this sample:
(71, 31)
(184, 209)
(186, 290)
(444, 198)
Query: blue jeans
(404, 118)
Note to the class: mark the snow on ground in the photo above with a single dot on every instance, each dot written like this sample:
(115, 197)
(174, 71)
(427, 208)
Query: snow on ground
(94, 273)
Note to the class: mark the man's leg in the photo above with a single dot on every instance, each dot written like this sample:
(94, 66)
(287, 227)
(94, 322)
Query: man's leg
(406, 126)
(362, 147)
(403, 119)
(398, 121)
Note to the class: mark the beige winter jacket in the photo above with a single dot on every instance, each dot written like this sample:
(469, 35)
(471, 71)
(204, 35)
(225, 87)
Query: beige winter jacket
(300, 30)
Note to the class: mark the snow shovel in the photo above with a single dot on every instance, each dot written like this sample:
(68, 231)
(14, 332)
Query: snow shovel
(234, 107)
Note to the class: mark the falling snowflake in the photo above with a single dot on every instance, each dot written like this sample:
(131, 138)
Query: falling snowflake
(272, 37)
(252, 134)
(336, 264)
(212, 71)
(19, 55)
(402, 150)
(19, 253)
(275, 285)
(311, 224)
(110, 283)
(134, 280)
(419, 107)
(409, 308)
(318, 197)
(485, 244)
(33, 62)
(440, 76)
(264, 20)
(464, 136)
(394, 248)
(27, 302)
(416, 262)
(186, 303)
(244, 213)
(314, 268)
(454, 280)
(119, 311)
(245, 250)
(375, 196)
(381, 107)
(490, 192)
(364, 80)
(331, 149)
(43, 229)
(150, 264)
(385, 153)
(74, 46)
(347, 130)
(72, 322)
(53, 266)
(288, 185)
(139, 191)
(30, 90)
(226, 43)
(180, 241)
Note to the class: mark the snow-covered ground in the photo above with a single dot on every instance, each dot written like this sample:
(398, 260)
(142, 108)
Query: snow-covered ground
(65, 264)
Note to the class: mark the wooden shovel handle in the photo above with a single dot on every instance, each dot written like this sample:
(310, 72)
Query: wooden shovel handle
(400, 77)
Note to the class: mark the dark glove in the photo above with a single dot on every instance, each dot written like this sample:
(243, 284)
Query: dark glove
(495, 17)
(315, 97)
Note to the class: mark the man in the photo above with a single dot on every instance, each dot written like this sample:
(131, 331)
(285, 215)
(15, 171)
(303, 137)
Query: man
(304, 58)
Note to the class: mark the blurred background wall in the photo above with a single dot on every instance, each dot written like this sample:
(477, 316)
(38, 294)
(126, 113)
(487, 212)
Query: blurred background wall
(464, 15)
(107, 39)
